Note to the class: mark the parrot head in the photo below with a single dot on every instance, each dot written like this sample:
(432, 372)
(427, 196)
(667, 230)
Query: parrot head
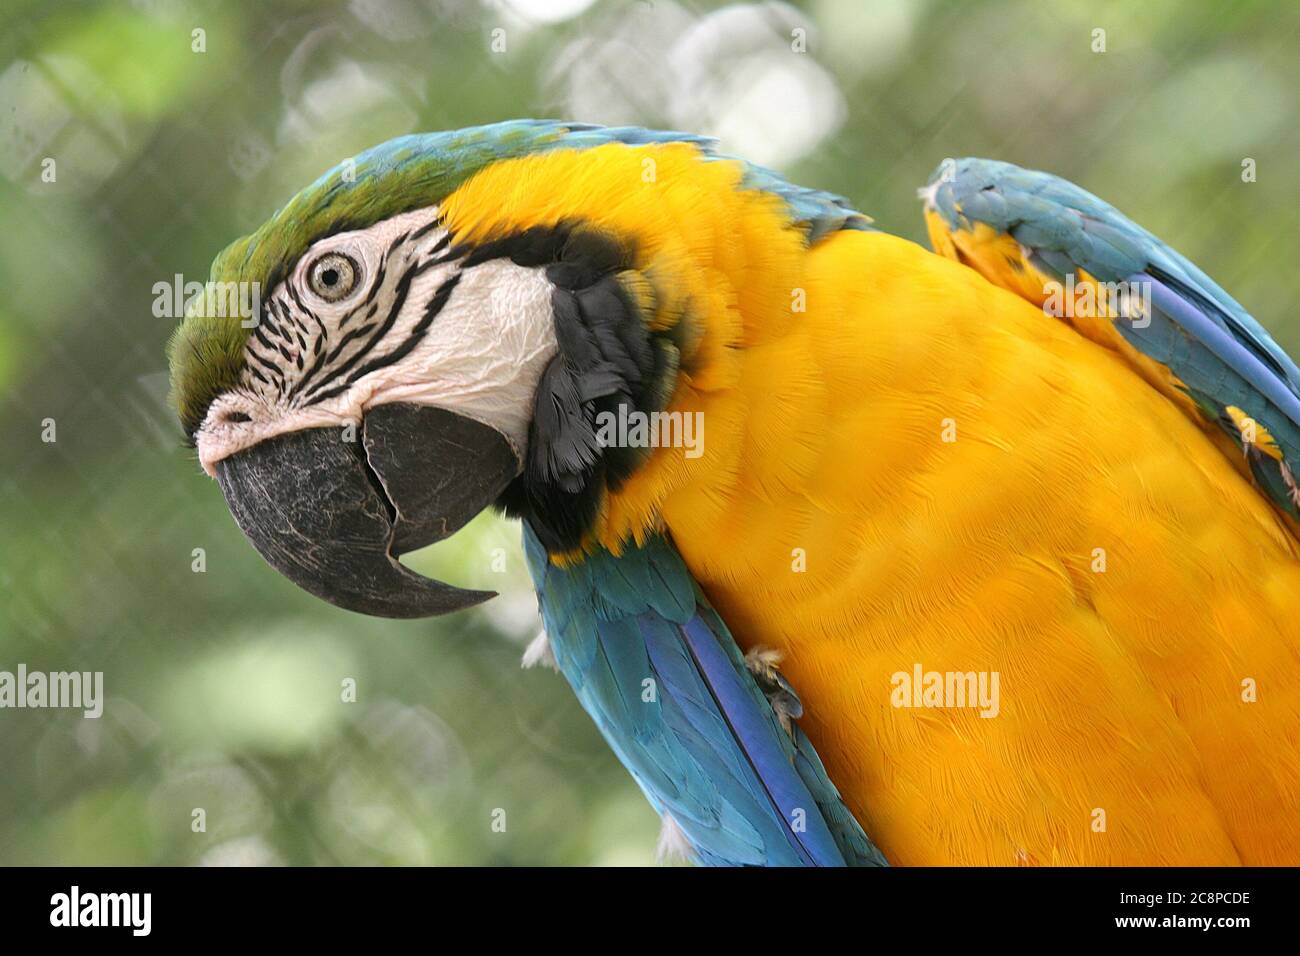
(395, 378)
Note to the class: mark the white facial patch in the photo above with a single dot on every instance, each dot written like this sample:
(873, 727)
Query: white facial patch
(494, 339)
(415, 328)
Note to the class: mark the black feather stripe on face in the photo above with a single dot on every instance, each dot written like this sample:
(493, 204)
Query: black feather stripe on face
(330, 373)
(608, 357)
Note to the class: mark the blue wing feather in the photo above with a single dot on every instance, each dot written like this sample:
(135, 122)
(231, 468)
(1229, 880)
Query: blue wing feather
(706, 747)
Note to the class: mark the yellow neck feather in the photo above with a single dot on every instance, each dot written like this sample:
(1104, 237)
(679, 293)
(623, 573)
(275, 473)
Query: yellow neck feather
(724, 260)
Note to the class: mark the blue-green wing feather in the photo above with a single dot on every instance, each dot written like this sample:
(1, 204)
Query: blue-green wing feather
(659, 673)
(1213, 346)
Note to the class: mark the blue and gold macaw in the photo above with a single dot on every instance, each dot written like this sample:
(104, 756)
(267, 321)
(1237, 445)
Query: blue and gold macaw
(1054, 453)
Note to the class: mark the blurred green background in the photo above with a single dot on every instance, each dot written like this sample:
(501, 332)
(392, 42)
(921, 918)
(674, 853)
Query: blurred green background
(224, 685)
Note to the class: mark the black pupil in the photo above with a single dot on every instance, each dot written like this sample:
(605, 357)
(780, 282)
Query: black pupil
(330, 277)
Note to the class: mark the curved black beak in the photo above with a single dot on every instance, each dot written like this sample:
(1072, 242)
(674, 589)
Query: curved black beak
(332, 515)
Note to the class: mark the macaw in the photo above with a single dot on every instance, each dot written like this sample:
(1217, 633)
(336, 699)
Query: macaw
(1051, 453)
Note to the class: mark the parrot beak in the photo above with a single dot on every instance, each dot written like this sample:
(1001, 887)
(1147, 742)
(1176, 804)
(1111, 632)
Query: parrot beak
(333, 515)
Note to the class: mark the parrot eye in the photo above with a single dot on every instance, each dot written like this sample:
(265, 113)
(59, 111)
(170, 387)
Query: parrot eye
(334, 276)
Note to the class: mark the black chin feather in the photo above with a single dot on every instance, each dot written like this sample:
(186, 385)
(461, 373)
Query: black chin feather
(607, 358)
